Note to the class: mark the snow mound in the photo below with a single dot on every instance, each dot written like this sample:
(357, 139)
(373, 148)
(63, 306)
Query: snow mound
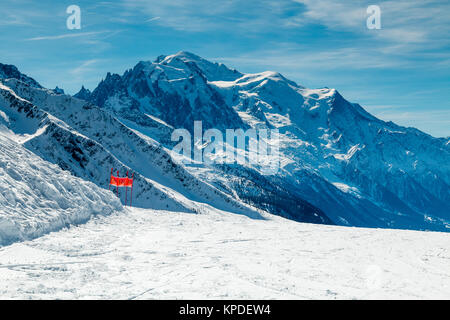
(37, 197)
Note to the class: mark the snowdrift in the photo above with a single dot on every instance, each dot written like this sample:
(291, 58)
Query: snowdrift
(37, 197)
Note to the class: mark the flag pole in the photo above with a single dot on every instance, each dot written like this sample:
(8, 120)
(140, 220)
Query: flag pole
(110, 179)
(126, 192)
(117, 188)
(131, 200)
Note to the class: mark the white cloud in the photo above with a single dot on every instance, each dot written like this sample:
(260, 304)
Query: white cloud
(333, 13)
(64, 36)
(153, 19)
(293, 57)
(206, 15)
(403, 21)
(84, 67)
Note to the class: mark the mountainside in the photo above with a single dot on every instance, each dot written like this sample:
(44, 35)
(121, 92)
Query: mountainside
(8, 71)
(176, 94)
(338, 163)
(88, 141)
(37, 197)
(357, 169)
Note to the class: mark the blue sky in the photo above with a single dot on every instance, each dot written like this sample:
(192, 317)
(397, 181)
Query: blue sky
(400, 72)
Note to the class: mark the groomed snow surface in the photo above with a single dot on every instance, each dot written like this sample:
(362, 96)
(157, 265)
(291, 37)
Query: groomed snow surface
(148, 254)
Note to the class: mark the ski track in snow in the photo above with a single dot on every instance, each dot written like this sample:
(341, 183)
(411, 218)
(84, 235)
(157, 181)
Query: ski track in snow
(148, 254)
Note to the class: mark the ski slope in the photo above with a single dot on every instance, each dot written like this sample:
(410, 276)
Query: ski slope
(148, 254)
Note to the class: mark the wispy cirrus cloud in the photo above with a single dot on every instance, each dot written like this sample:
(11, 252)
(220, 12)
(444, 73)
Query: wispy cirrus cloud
(67, 35)
(12, 19)
(403, 21)
(408, 26)
(153, 19)
(206, 15)
(84, 67)
(15, 14)
(299, 56)
(407, 20)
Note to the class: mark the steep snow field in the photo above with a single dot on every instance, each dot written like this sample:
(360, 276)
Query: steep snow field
(147, 254)
(37, 197)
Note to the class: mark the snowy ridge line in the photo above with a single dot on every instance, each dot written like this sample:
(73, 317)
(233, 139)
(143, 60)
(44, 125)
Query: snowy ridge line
(43, 143)
(57, 135)
(8, 71)
(3, 87)
(105, 144)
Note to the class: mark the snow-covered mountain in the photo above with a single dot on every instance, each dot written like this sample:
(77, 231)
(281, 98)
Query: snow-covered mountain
(359, 170)
(88, 141)
(83, 94)
(339, 164)
(8, 71)
(174, 91)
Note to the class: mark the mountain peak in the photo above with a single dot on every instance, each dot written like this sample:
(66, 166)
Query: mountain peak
(58, 90)
(187, 55)
(213, 71)
(8, 71)
(263, 76)
(182, 55)
(83, 94)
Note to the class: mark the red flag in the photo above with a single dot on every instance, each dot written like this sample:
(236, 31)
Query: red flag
(121, 182)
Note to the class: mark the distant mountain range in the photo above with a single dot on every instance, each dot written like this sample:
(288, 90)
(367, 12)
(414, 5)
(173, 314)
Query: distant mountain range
(339, 164)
